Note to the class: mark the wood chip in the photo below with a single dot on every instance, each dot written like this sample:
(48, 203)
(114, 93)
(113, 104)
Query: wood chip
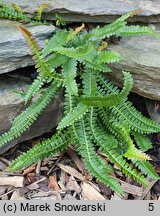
(16, 196)
(116, 197)
(90, 193)
(71, 171)
(31, 177)
(42, 194)
(29, 169)
(3, 189)
(147, 190)
(16, 181)
(53, 183)
(2, 166)
(131, 189)
(76, 160)
(35, 185)
(38, 168)
(69, 197)
(73, 185)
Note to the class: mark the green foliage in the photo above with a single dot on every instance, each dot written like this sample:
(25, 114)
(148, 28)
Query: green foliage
(96, 112)
(14, 12)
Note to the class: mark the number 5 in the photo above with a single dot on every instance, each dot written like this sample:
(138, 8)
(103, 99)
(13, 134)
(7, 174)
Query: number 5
(151, 206)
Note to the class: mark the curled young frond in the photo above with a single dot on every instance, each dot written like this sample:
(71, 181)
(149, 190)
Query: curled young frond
(40, 10)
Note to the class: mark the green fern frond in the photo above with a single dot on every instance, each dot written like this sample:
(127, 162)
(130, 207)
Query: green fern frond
(55, 60)
(59, 39)
(112, 99)
(47, 148)
(123, 134)
(43, 69)
(107, 56)
(70, 73)
(143, 142)
(60, 21)
(76, 31)
(17, 8)
(127, 113)
(121, 163)
(40, 10)
(97, 67)
(73, 116)
(22, 122)
(119, 160)
(93, 161)
(134, 153)
(13, 13)
(108, 144)
(34, 88)
(89, 80)
(147, 169)
(100, 33)
(85, 52)
(69, 102)
(105, 101)
(137, 30)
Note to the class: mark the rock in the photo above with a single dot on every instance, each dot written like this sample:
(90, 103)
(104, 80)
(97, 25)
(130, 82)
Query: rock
(94, 10)
(11, 105)
(141, 57)
(153, 108)
(14, 52)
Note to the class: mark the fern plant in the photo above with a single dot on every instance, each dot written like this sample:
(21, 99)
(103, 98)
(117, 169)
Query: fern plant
(14, 12)
(97, 114)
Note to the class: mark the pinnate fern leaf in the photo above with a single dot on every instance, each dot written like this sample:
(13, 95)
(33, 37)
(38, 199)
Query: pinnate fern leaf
(27, 117)
(107, 56)
(89, 80)
(73, 116)
(127, 113)
(143, 142)
(108, 30)
(137, 30)
(47, 148)
(146, 168)
(92, 160)
(34, 88)
(40, 10)
(85, 52)
(97, 67)
(70, 73)
(112, 99)
(58, 40)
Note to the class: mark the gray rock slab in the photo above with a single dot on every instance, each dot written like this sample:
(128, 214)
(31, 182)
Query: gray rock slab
(11, 105)
(14, 52)
(141, 57)
(94, 10)
(153, 108)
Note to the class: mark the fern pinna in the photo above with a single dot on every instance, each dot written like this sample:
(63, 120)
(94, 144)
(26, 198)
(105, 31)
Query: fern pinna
(97, 114)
